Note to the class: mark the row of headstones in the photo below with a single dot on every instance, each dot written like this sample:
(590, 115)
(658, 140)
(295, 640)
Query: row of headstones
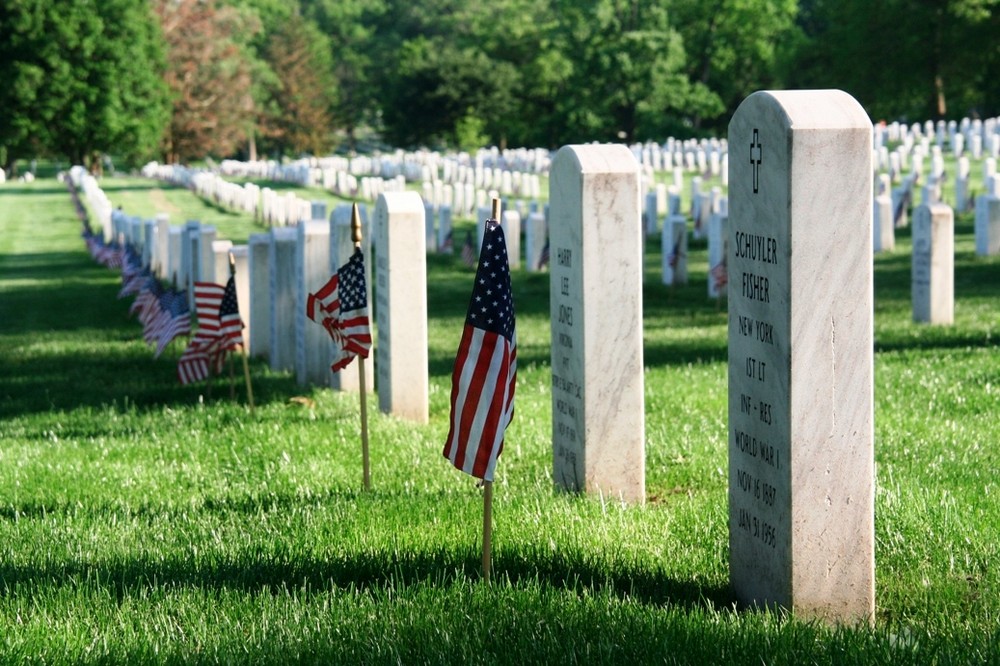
(709, 157)
(975, 133)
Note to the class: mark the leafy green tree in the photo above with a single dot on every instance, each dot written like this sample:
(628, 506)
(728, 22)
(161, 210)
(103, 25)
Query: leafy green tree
(914, 59)
(85, 78)
(300, 58)
(733, 48)
(355, 46)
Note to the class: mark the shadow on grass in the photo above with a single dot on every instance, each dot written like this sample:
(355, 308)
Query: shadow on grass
(369, 571)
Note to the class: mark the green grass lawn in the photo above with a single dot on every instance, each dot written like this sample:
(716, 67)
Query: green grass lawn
(142, 521)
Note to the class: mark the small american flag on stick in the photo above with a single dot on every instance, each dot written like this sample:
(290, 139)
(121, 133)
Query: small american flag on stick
(482, 383)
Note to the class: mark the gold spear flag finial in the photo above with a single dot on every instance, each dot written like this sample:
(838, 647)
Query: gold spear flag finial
(496, 210)
(356, 225)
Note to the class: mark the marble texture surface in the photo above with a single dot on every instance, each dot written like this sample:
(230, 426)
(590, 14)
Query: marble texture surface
(596, 312)
(401, 305)
(932, 269)
(259, 317)
(801, 424)
(281, 272)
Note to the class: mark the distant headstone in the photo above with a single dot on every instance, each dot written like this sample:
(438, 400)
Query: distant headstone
(175, 254)
(218, 269)
(718, 241)
(598, 420)
(987, 222)
(933, 267)
(161, 247)
(258, 317)
(510, 220)
(801, 463)
(535, 234)
(401, 306)
(444, 230)
(674, 248)
(281, 271)
(429, 226)
(883, 224)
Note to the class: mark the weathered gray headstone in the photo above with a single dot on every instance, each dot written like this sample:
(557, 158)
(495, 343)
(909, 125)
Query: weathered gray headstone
(598, 420)
(801, 463)
(401, 306)
(987, 222)
(535, 233)
(281, 271)
(258, 317)
(933, 267)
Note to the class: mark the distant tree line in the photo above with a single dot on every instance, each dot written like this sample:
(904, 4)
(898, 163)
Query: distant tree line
(180, 80)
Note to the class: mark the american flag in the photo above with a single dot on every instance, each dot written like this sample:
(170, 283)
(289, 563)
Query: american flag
(230, 324)
(720, 278)
(133, 274)
(482, 383)
(341, 306)
(174, 319)
(206, 350)
(675, 255)
(469, 251)
(543, 259)
(448, 245)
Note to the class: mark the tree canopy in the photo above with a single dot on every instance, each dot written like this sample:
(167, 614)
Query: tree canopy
(186, 79)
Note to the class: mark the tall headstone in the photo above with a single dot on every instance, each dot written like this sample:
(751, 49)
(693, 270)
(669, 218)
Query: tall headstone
(313, 346)
(598, 420)
(883, 224)
(161, 246)
(933, 267)
(401, 306)
(259, 316)
(281, 272)
(801, 432)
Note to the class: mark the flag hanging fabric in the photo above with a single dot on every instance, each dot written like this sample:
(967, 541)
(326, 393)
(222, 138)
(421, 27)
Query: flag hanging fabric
(341, 307)
(469, 251)
(206, 350)
(174, 319)
(483, 380)
(543, 258)
(230, 324)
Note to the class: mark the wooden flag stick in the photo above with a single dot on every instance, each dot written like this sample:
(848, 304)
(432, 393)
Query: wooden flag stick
(488, 485)
(363, 389)
(487, 528)
(246, 365)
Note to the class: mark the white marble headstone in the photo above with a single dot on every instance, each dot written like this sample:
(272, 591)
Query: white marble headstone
(595, 291)
(933, 267)
(258, 317)
(801, 432)
(281, 271)
(401, 306)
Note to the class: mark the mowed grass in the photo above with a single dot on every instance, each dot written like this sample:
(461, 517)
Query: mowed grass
(146, 522)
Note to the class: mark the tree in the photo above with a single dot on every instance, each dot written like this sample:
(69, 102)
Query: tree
(300, 58)
(351, 27)
(81, 79)
(733, 48)
(209, 76)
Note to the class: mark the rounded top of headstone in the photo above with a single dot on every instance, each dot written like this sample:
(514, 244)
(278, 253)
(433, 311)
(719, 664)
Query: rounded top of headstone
(808, 109)
(400, 201)
(598, 158)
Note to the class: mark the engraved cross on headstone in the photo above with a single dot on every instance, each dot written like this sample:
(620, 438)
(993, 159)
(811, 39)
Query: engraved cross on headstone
(755, 163)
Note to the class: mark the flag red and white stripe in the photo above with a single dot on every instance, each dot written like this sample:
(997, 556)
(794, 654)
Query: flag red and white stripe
(485, 373)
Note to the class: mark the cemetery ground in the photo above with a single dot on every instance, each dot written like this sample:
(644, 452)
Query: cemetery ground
(142, 521)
